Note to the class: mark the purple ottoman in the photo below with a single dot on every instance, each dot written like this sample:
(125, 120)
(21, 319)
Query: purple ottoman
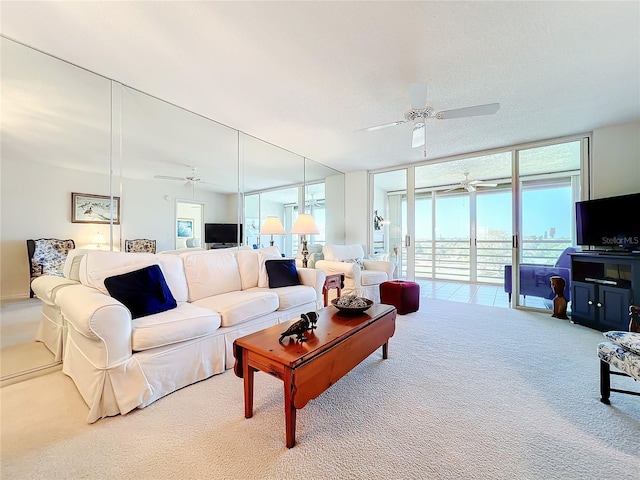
(403, 295)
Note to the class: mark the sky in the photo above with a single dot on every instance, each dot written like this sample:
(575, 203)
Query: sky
(543, 209)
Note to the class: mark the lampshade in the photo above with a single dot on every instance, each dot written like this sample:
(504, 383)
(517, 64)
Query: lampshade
(272, 226)
(305, 225)
(98, 239)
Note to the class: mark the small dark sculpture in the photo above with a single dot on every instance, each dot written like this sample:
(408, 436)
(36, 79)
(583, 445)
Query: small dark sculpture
(307, 322)
(559, 302)
(313, 319)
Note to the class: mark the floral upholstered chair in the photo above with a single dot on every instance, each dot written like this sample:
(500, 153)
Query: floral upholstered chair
(47, 257)
(622, 351)
(140, 245)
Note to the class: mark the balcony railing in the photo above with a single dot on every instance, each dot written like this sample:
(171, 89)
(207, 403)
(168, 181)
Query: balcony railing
(452, 259)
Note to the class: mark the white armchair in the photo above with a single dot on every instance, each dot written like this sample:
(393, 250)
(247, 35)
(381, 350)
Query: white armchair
(362, 276)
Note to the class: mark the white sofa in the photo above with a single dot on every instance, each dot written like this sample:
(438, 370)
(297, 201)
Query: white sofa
(364, 280)
(52, 330)
(119, 364)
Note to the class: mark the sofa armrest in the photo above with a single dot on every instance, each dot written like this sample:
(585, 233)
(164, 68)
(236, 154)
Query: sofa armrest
(380, 265)
(350, 270)
(99, 325)
(47, 286)
(535, 280)
(313, 277)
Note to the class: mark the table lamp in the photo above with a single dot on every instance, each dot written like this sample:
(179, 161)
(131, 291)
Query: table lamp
(98, 239)
(304, 225)
(272, 226)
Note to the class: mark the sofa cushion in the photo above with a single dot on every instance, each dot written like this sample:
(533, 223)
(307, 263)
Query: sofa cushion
(282, 273)
(249, 268)
(144, 292)
(71, 267)
(240, 306)
(185, 322)
(291, 297)
(628, 340)
(211, 273)
(373, 277)
(263, 256)
(338, 253)
(96, 265)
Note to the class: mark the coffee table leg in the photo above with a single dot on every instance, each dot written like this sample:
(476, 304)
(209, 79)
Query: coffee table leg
(385, 350)
(289, 410)
(247, 373)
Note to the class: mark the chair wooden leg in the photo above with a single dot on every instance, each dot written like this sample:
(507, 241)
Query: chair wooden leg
(605, 382)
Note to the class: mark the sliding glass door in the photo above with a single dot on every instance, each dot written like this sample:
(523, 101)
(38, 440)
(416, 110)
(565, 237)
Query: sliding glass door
(548, 187)
(471, 222)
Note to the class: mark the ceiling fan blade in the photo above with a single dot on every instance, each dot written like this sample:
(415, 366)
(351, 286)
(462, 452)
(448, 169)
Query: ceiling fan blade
(487, 109)
(482, 183)
(166, 177)
(378, 127)
(418, 137)
(470, 188)
(418, 95)
(451, 189)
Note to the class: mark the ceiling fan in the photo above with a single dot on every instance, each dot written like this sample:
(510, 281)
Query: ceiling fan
(470, 185)
(191, 180)
(313, 202)
(421, 111)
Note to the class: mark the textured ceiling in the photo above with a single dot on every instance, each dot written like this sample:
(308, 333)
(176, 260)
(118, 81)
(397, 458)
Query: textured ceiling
(305, 75)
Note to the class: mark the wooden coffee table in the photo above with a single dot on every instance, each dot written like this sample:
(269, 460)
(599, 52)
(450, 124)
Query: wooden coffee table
(339, 343)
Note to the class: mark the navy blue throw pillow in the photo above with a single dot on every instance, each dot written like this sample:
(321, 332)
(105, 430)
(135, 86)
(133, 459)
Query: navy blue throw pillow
(144, 292)
(282, 273)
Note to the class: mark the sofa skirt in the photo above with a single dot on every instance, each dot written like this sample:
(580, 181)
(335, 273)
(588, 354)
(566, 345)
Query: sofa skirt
(144, 377)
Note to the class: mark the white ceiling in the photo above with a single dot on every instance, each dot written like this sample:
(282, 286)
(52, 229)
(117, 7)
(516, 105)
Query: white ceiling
(304, 75)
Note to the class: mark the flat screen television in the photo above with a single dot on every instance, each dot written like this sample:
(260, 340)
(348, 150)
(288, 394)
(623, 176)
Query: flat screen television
(610, 222)
(222, 233)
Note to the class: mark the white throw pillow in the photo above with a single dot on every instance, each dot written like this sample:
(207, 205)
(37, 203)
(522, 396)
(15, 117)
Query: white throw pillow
(263, 278)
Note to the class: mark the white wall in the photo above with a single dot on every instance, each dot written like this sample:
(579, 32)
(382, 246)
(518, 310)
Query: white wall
(335, 209)
(616, 160)
(356, 209)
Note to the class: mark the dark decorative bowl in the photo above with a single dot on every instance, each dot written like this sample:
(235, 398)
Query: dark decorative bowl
(352, 309)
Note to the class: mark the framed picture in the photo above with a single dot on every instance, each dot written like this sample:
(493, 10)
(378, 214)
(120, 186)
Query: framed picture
(185, 228)
(88, 208)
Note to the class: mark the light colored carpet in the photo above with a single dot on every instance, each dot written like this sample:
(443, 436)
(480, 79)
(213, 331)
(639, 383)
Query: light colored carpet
(468, 392)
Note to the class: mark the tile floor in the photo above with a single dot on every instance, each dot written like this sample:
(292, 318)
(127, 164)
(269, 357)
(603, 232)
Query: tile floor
(478, 294)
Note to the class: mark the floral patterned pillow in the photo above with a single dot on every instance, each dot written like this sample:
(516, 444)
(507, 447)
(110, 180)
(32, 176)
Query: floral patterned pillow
(357, 261)
(627, 340)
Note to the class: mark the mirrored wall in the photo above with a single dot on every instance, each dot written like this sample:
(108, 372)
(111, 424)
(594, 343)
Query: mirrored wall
(67, 130)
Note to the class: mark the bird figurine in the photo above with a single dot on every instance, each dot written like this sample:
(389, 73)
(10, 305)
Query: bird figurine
(297, 329)
(312, 317)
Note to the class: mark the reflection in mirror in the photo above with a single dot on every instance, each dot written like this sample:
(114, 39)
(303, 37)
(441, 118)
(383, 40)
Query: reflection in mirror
(55, 140)
(325, 188)
(65, 129)
(189, 224)
(272, 178)
(171, 153)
